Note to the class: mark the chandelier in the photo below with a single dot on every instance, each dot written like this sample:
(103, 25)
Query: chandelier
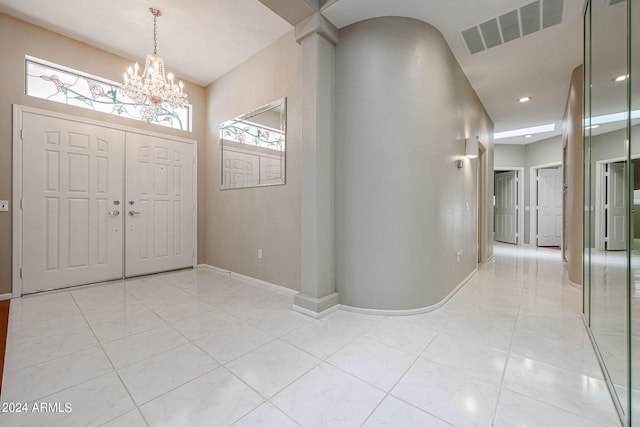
(153, 86)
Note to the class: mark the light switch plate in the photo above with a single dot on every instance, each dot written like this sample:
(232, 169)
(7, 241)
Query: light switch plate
(4, 206)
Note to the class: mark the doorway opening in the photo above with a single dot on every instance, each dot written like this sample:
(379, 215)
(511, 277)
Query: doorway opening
(508, 218)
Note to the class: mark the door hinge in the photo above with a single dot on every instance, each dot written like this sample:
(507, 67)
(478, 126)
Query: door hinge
(20, 203)
(21, 134)
(21, 273)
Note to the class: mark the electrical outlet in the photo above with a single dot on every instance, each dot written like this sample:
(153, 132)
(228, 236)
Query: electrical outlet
(259, 253)
(4, 206)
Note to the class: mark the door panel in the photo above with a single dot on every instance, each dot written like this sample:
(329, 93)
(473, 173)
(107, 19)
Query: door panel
(160, 205)
(72, 176)
(549, 207)
(506, 210)
(616, 208)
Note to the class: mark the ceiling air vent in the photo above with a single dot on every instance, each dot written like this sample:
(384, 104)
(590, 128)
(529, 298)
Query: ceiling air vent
(521, 22)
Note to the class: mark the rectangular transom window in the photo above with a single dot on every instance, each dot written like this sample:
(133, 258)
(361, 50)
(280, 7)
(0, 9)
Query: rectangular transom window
(57, 83)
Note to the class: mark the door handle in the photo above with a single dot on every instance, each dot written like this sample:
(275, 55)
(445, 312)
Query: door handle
(132, 213)
(114, 213)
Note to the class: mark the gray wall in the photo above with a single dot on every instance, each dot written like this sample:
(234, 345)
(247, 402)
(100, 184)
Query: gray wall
(526, 156)
(403, 208)
(241, 221)
(17, 39)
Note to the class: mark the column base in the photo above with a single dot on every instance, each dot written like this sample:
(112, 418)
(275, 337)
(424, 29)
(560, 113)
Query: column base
(315, 307)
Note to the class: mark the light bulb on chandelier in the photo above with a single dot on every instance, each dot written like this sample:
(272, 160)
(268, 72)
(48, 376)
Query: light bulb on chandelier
(153, 86)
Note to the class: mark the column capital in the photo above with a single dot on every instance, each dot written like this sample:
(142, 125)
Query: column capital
(316, 24)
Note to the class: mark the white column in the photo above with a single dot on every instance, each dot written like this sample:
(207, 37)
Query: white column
(318, 37)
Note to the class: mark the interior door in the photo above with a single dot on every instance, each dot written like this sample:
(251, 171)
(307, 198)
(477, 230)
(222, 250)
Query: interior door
(71, 203)
(616, 207)
(159, 205)
(506, 210)
(549, 207)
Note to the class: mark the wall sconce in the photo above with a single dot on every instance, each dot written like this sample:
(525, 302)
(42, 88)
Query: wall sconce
(471, 148)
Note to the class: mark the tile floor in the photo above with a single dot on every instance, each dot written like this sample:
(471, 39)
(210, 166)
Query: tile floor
(199, 348)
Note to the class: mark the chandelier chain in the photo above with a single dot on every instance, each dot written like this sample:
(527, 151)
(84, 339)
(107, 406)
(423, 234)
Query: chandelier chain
(155, 33)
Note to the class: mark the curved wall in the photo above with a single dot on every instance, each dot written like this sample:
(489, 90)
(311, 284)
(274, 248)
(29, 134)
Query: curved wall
(404, 209)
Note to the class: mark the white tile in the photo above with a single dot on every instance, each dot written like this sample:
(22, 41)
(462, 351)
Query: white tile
(452, 396)
(373, 362)
(126, 325)
(470, 358)
(130, 419)
(19, 333)
(327, 396)
(271, 367)
(32, 352)
(320, 339)
(561, 388)
(281, 321)
(215, 399)
(204, 324)
(35, 382)
(266, 415)
(159, 374)
(95, 297)
(175, 312)
(88, 404)
(127, 307)
(135, 348)
(233, 342)
(516, 410)
(44, 307)
(164, 296)
(402, 332)
(493, 331)
(395, 413)
(351, 322)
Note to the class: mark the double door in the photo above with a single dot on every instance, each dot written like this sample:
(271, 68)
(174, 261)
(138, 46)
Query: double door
(100, 203)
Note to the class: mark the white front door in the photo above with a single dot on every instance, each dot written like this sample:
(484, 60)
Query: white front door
(506, 209)
(159, 204)
(549, 207)
(616, 207)
(72, 226)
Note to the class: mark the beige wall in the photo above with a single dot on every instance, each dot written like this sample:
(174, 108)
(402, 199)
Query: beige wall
(404, 210)
(241, 221)
(574, 208)
(17, 39)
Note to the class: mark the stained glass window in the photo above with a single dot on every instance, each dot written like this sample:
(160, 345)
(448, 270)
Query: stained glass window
(61, 84)
(253, 134)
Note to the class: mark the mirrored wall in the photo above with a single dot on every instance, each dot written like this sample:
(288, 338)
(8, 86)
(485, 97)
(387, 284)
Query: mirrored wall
(611, 274)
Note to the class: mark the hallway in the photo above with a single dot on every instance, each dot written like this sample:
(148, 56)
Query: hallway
(198, 347)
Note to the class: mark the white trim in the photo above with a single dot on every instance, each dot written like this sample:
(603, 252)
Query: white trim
(520, 177)
(313, 314)
(16, 253)
(18, 111)
(413, 311)
(4, 297)
(533, 196)
(251, 280)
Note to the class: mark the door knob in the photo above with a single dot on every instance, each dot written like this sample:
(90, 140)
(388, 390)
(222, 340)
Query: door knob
(132, 213)
(114, 213)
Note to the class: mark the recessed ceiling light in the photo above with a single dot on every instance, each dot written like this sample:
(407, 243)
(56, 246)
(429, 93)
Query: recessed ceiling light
(620, 78)
(524, 99)
(528, 136)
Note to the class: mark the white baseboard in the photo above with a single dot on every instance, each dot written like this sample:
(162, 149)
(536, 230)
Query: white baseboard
(313, 314)
(250, 280)
(6, 296)
(412, 311)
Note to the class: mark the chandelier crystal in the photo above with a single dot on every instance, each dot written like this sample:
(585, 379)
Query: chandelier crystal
(153, 86)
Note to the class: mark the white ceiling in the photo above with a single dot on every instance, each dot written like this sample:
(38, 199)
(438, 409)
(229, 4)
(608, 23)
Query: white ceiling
(201, 40)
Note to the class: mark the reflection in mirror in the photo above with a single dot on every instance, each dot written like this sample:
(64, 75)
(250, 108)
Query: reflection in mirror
(253, 147)
(612, 197)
